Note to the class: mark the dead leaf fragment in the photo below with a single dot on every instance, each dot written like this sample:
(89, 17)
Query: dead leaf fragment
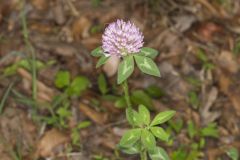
(58, 13)
(16, 129)
(207, 30)
(184, 22)
(40, 4)
(44, 92)
(207, 115)
(50, 141)
(230, 89)
(92, 114)
(174, 84)
(209, 6)
(227, 61)
(80, 27)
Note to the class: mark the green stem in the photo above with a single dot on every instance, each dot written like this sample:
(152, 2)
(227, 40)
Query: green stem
(32, 51)
(126, 94)
(129, 110)
(143, 154)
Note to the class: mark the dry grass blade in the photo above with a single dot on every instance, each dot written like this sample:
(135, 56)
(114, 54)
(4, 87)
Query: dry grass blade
(5, 96)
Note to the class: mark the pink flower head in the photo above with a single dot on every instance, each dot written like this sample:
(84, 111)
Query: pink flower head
(121, 38)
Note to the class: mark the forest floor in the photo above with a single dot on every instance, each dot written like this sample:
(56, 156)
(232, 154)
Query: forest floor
(56, 105)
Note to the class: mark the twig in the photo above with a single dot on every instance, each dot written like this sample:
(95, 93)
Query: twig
(209, 7)
(72, 8)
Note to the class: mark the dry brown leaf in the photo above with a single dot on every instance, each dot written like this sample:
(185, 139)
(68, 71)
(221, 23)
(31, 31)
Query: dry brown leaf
(213, 153)
(80, 27)
(72, 8)
(224, 82)
(173, 83)
(228, 62)
(234, 98)
(40, 4)
(16, 129)
(108, 141)
(44, 93)
(166, 39)
(207, 115)
(4, 10)
(92, 114)
(51, 139)
(209, 6)
(4, 156)
(208, 29)
(109, 106)
(58, 12)
(53, 45)
(184, 22)
(7, 6)
(228, 88)
(91, 42)
(42, 28)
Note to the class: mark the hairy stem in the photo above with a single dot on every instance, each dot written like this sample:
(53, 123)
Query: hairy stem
(129, 110)
(143, 155)
(126, 94)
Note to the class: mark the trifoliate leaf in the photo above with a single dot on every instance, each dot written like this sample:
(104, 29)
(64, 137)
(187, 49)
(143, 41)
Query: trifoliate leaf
(160, 133)
(148, 139)
(148, 52)
(125, 69)
(147, 65)
(98, 52)
(162, 117)
(158, 153)
(101, 61)
(136, 148)
(130, 137)
(144, 114)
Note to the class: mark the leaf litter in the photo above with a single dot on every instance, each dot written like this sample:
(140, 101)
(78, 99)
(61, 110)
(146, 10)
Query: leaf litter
(66, 31)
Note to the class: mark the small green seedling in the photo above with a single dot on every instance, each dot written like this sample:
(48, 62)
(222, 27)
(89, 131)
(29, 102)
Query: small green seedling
(207, 65)
(75, 136)
(193, 99)
(60, 105)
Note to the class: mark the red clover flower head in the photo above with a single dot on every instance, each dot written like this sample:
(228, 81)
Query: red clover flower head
(121, 38)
